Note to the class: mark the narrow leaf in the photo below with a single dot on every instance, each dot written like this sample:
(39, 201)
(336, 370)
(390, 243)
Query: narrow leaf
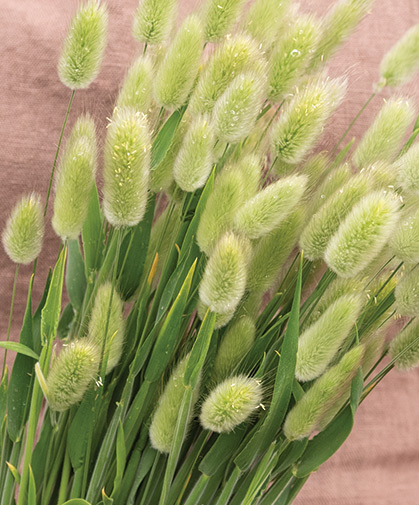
(31, 488)
(121, 458)
(36, 320)
(75, 279)
(20, 348)
(76, 501)
(164, 138)
(92, 236)
(15, 472)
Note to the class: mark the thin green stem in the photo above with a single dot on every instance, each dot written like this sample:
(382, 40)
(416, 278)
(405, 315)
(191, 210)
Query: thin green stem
(9, 326)
(65, 474)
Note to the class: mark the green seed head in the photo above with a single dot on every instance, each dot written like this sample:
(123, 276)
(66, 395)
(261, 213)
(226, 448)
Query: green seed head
(178, 70)
(238, 53)
(264, 20)
(136, 91)
(402, 60)
(404, 241)
(407, 294)
(302, 121)
(106, 314)
(374, 347)
(126, 168)
(75, 176)
(320, 342)
(234, 346)
(83, 49)
(407, 168)
(250, 166)
(22, 236)
(193, 163)
(236, 110)
(219, 17)
(265, 211)
(231, 403)
(331, 183)
(224, 280)
(406, 342)
(362, 234)
(308, 413)
(164, 419)
(383, 139)
(71, 374)
(291, 56)
(221, 320)
(154, 20)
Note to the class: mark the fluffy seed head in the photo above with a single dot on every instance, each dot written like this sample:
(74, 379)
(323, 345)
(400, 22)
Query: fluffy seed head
(264, 19)
(404, 241)
(407, 294)
(332, 182)
(307, 415)
(221, 320)
(236, 110)
(82, 52)
(291, 56)
(237, 54)
(407, 167)
(325, 222)
(154, 20)
(179, 68)
(164, 419)
(231, 403)
(302, 121)
(224, 280)
(71, 374)
(338, 24)
(75, 176)
(409, 336)
(265, 211)
(320, 342)
(116, 327)
(235, 344)
(22, 236)
(136, 91)
(402, 60)
(383, 139)
(363, 233)
(219, 17)
(193, 163)
(126, 168)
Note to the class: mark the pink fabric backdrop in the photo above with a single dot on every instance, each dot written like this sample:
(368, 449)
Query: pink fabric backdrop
(380, 462)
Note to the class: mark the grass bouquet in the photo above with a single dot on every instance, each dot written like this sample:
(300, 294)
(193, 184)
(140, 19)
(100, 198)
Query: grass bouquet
(227, 288)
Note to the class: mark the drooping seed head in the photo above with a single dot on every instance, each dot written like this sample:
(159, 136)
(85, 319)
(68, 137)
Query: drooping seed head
(224, 280)
(178, 70)
(83, 48)
(383, 139)
(237, 54)
(363, 233)
(231, 403)
(319, 343)
(302, 121)
(264, 19)
(136, 91)
(107, 315)
(407, 168)
(75, 176)
(407, 294)
(235, 112)
(308, 413)
(24, 230)
(265, 211)
(402, 60)
(163, 423)
(219, 17)
(406, 342)
(404, 241)
(71, 374)
(193, 163)
(126, 168)
(291, 56)
(154, 20)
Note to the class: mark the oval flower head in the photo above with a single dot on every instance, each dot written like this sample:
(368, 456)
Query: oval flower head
(402, 60)
(224, 279)
(236, 110)
(84, 46)
(126, 168)
(75, 176)
(363, 233)
(404, 241)
(407, 294)
(404, 347)
(407, 167)
(136, 91)
(178, 70)
(71, 374)
(154, 20)
(383, 139)
(231, 403)
(264, 20)
(22, 236)
(302, 121)
(219, 17)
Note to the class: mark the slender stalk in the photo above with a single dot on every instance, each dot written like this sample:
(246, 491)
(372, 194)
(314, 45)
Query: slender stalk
(9, 326)
(65, 474)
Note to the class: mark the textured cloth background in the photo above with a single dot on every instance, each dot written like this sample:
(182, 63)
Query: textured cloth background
(379, 464)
